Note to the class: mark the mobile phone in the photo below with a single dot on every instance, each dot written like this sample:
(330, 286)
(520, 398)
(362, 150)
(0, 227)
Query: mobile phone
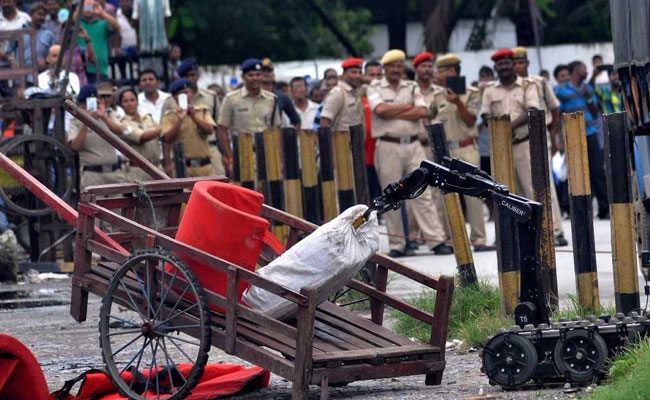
(457, 84)
(182, 101)
(605, 67)
(91, 104)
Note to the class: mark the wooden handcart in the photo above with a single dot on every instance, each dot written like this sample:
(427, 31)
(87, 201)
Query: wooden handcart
(153, 301)
(157, 318)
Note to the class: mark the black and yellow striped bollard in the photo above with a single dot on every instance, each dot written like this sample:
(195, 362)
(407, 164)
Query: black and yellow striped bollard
(344, 171)
(618, 159)
(358, 137)
(328, 185)
(246, 160)
(272, 151)
(582, 224)
(292, 172)
(540, 172)
(462, 249)
(503, 171)
(309, 171)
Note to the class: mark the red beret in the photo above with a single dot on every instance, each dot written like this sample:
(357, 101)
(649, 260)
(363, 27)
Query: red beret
(426, 56)
(502, 53)
(352, 63)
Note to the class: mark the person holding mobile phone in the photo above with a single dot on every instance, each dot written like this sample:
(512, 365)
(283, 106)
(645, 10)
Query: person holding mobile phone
(98, 160)
(189, 69)
(191, 124)
(457, 111)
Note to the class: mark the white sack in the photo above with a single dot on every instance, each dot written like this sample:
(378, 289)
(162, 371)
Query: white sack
(327, 259)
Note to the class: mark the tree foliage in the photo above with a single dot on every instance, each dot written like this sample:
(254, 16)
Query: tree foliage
(229, 31)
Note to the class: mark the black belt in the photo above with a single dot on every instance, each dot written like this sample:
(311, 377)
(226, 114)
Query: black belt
(213, 143)
(520, 140)
(197, 162)
(102, 168)
(402, 140)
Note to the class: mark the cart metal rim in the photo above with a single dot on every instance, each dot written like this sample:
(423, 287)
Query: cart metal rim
(152, 330)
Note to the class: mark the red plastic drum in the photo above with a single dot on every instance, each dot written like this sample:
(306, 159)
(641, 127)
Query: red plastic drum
(223, 219)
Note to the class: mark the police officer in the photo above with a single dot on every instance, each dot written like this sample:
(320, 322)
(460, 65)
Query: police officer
(343, 104)
(189, 69)
(424, 72)
(192, 126)
(249, 109)
(397, 106)
(141, 132)
(512, 94)
(97, 159)
(457, 112)
(551, 106)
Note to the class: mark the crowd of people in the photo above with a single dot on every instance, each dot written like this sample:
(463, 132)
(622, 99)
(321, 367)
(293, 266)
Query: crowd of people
(393, 102)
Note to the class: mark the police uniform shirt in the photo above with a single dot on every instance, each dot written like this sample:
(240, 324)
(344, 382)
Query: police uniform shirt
(430, 94)
(343, 106)
(381, 92)
(94, 150)
(204, 97)
(547, 96)
(455, 127)
(194, 140)
(133, 130)
(513, 100)
(244, 113)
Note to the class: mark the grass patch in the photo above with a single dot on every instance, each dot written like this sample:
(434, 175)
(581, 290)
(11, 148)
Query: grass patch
(629, 374)
(474, 316)
(575, 309)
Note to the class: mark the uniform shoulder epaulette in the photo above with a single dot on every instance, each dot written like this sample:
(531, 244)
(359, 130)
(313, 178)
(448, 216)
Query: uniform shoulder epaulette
(472, 89)
(267, 94)
(233, 92)
(208, 91)
(375, 83)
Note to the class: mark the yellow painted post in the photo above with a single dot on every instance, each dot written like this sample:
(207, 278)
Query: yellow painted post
(503, 171)
(582, 225)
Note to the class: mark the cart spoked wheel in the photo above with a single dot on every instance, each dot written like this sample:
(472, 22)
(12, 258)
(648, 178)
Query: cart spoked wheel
(45, 158)
(154, 327)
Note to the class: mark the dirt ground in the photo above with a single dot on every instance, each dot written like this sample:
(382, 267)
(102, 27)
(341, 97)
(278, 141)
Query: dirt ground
(37, 314)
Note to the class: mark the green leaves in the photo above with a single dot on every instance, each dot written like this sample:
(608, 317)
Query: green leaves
(229, 31)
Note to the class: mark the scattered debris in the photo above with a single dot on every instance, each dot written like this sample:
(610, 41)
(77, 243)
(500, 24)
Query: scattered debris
(8, 256)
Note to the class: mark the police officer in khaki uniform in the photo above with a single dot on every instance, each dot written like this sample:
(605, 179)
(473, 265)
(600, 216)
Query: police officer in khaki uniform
(189, 69)
(512, 94)
(551, 106)
(457, 112)
(397, 106)
(424, 71)
(141, 132)
(98, 159)
(249, 109)
(192, 126)
(343, 105)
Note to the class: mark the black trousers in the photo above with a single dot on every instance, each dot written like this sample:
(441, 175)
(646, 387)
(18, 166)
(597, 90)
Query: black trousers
(597, 174)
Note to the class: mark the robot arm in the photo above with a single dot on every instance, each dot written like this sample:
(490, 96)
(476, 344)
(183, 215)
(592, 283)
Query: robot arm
(458, 176)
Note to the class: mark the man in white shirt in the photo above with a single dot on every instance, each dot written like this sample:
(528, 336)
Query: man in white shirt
(305, 108)
(12, 18)
(151, 99)
(45, 80)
